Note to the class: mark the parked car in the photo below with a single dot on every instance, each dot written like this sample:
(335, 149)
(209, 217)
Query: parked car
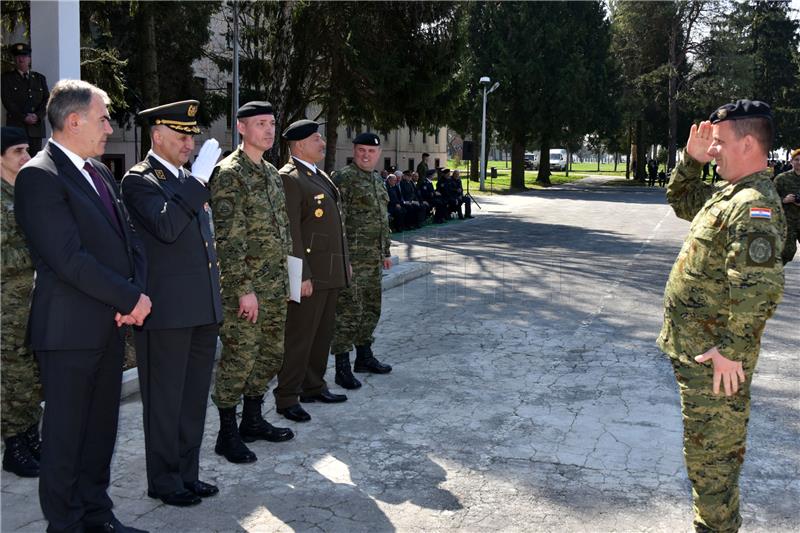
(531, 161)
(558, 159)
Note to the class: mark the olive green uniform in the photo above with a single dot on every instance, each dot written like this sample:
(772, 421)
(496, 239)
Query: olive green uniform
(22, 95)
(789, 183)
(724, 285)
(253, 242)
(358, 308)
(21, 389)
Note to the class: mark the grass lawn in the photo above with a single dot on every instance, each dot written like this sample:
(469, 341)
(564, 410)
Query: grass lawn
(502, 185)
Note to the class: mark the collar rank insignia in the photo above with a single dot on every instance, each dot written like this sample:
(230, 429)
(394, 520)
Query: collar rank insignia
(160, 174)
(761, 212)
(320, 196)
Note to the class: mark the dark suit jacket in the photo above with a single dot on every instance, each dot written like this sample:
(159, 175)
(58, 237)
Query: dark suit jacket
(395, 196)
(408, 191)
(21, 97)
(317, 225)
(86, 270)
(171, 218)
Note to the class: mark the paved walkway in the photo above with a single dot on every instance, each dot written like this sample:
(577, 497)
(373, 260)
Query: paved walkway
(527, 395)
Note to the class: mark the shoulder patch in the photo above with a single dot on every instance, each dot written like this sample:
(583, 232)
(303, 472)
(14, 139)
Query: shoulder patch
(760, 249)
(223, 208)
(761, 212)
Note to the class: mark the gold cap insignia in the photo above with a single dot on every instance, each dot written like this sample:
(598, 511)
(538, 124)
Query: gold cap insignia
(320, 196)
(722, 113)
(20, 47)
(318, 213)
(192, 111)
(160, 174)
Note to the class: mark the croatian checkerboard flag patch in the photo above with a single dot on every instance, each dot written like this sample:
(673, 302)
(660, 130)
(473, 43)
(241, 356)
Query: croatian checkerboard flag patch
(760, 212)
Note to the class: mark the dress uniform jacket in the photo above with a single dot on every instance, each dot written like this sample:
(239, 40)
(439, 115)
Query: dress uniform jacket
(22, 96)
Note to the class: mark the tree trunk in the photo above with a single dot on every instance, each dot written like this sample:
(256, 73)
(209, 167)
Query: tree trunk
(518, 165)
(616, 160)
(599, 153)
(640, 170)
(543, 177)
(150, 89)
(630, 155)
(332, 116)
(675, 60)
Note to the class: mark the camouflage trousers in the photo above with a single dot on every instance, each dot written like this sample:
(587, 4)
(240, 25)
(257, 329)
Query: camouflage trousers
(358, 307)
(21, 386)
(252, 354)
(714, 435)
(792, 236)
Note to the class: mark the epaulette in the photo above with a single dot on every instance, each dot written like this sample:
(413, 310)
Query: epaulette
(139, 168)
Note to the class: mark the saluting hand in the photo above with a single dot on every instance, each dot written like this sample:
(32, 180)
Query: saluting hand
(730, 373)
(700, 139)
(203, 166)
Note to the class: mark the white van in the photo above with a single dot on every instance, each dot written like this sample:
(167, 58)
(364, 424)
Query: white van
(558, 159)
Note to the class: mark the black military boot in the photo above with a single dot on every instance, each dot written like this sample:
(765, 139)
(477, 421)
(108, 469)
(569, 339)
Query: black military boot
(254, 427)
(229, 442)
(366, 362)
(344, 375)
(33, 441)
(18, 459)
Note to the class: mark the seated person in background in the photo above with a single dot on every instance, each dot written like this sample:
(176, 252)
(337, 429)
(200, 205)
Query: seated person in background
(397, 213)
(445, 189)
(415, 214)
(465, 200)
(431, 199)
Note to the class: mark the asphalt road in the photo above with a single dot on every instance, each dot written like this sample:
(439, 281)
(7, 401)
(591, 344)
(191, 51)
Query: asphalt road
(527, 395)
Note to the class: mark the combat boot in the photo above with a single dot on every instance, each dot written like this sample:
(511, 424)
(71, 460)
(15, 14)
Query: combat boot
(33, 441)
(254, 427)
(18, 459)
(229, 442)
(344, 375)
(366, 362)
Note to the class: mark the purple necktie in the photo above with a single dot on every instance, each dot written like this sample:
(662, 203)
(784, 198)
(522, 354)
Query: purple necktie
(102, 190)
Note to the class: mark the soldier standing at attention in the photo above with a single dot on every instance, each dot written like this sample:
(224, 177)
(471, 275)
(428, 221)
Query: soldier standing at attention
(318, 238)
(254, 240)
(24, 94)
(21, 389)
(358, 309)
(175, 348)
(422, 168)
(788, 187)
(724, 285)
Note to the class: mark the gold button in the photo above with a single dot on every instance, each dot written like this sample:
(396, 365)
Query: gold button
(209, 266)
(308, 250)
(206, 244)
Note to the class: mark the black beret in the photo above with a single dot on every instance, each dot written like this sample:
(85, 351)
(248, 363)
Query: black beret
(251, 109)
(299, 130)
(20, 49)
(178, 116)
(12, 136)
(741, 109)
(367, 138)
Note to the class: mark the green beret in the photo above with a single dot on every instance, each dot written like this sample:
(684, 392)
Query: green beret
(251, 109)
(367, 138)
(11, 137)
(299, 130)
(20, 49)
(741, 109)
(178, 116)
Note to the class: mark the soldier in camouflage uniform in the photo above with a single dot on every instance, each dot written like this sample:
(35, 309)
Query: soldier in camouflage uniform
(788, 186)
(254, 240)
(21, 389)
(358, 308)
(724, 285)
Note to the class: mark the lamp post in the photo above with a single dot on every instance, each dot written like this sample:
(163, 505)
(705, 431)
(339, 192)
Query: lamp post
(485, 82)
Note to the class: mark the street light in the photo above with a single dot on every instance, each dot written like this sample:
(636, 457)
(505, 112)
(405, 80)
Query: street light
(485, 81)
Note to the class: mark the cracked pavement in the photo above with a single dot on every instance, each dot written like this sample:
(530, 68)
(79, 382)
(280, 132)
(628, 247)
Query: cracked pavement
(527, 395)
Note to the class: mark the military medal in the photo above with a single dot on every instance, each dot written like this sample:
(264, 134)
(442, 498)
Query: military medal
(318, 213)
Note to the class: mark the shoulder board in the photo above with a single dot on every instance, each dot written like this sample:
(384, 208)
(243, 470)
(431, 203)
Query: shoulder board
(139, 168)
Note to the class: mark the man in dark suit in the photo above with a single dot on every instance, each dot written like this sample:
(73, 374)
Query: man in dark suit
(90, 277)
(24, 94)
(397, 211)
(175, 347)
(318, 238)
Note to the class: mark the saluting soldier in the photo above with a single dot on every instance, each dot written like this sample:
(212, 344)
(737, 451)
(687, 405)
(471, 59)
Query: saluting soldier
(175, 347)
(788, 186)
(24, 95)
(364, 201)
(21, 388)
(318, 238)
(254, 239)
(724, 285)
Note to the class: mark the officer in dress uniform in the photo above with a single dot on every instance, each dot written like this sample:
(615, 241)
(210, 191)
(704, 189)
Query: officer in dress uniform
(724, 286)
(24, 94)
(176, 345)
(318, 238)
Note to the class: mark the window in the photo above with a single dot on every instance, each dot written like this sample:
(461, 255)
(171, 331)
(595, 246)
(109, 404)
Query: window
(410, 135)
(116, 164)
(349, 160)
(349, 132)
(436, 163)
(436, 136)
(411, 164)
(424, 137)
(385, 135)
(387, 163)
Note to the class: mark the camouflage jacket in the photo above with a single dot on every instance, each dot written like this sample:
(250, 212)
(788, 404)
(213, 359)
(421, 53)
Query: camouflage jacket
(728, 277)
(252, 226)
(17, 273)
(789, 183)
(364, 200)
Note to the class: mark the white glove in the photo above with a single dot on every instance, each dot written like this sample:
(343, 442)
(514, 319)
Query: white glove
(203, 166)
